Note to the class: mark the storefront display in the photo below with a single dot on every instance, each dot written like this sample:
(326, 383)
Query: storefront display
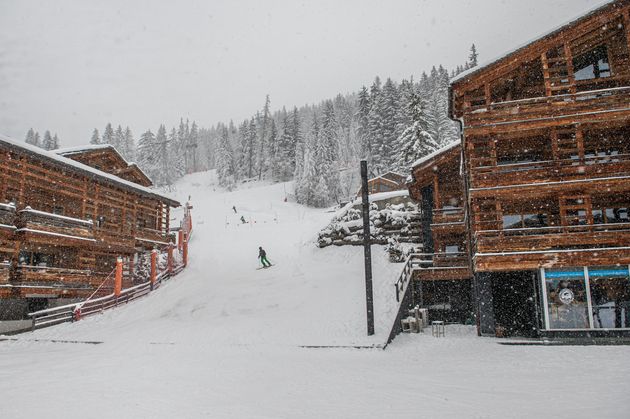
(586, 298)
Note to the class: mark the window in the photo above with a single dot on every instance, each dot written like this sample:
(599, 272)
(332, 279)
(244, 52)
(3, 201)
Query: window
(100, 221)
(452, 248)
(592, 64)
(58, 210)
(566, 297)
(610, 215)
(35, 259)
(610, 294)
(512, 221)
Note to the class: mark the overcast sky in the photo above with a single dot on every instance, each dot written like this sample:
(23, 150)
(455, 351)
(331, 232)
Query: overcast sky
(70, 66)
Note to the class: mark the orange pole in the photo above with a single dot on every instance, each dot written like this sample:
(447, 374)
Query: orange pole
(169, 262)
(180, 239)
(185, 253)
(153, 267)
(118, 279)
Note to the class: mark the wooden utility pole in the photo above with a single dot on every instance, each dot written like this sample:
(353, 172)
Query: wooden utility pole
(367, 251)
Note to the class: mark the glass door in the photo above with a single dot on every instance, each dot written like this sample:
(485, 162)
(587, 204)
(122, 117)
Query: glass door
(566, 298)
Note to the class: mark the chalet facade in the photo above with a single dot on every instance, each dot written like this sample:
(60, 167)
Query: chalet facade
(444, 284)
(545, 177)
(387, 182)
(65, 217)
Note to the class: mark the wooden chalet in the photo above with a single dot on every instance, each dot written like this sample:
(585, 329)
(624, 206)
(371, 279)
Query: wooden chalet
(387, 182)
(444, 283)
(546, 163)
(64, 219)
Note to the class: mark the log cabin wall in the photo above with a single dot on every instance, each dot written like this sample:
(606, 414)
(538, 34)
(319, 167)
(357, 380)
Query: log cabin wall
(443, 215)
(62, 227)
(546, 149)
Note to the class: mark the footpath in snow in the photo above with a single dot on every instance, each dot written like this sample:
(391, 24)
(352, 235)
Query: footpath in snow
(225, 340)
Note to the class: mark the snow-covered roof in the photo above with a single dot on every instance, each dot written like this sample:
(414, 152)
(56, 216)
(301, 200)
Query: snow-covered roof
(436, 153)
(54, 157)
(82, 148)
(487, 63)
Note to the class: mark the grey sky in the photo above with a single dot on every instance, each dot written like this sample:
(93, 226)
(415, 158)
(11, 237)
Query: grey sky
(70, 66)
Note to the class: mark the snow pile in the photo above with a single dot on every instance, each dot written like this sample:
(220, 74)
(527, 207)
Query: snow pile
(395, 221)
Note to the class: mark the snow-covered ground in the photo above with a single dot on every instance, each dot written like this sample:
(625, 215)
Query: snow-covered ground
(224, 340)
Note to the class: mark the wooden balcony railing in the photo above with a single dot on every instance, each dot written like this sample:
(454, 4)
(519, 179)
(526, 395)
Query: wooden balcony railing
(29, 273)
(554, 237)
(448, 216)
(551, 171)
(592, 101)
(7, 214)
(4, 271)
(30, 221)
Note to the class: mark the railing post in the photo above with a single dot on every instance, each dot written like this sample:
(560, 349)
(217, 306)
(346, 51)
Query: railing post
(153, 267)
(185, 251)
(118, 279)
(180, 240)
(169, 259)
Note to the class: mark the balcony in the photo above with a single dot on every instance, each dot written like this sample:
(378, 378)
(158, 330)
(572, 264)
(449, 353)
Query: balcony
(448, 220)
(442, 266)
(7, 217)
(595, 103)
(550, 171)
(532, 248)
(44, 226)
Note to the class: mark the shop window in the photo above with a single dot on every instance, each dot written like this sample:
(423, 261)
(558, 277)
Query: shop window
(566, 296)
(593, 64)
(610, 294)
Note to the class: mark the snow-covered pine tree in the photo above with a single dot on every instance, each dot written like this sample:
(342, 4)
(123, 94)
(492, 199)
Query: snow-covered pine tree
(146, 154)
(118, 140)
(263, 152)
(306, 184)
(390, 128)
(225, 160)
(55, 142)
(175, 157)
(96, 138)
(327, 152)
(415, 141)
(363, 125)
(193, 144)
(31, 138)
(272, 147)
(36, 140)
(439, 125)
(108, 134)
(285, 152)
(161, 174)
(47, 144)
(128, 146)
(472, 58)
(375, 126)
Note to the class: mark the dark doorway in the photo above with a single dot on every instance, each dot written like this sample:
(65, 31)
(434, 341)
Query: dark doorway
(426, 205)
(514, 300)
(449, 301)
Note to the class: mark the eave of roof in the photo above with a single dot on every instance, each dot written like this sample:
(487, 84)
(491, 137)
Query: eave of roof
(423, 160)
(55, 158)
(463, 76)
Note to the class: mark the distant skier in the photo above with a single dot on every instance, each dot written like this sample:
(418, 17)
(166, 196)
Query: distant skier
(243, 220)
(234, 208)
(262, 255)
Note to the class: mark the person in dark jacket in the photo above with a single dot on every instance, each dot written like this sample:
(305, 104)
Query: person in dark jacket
(262, 255)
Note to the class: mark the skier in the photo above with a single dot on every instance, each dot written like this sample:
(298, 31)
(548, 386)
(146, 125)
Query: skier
(243, 220)
(262, 255)
(234, 208)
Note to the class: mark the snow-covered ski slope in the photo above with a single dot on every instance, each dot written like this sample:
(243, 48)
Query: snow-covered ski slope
(224, 340)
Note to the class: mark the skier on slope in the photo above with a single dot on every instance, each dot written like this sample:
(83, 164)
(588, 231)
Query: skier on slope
(234, 208)
(243, 220)
(262, 255)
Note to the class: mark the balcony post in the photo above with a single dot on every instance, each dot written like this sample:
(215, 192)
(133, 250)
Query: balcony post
(153, 268)
(185, 251)
(169, 259)
(180, 239)
(118, 277)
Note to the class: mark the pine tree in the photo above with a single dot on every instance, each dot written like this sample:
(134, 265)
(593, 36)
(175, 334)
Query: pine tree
(108, 135)
(128, 146)
(375, 125)
(55, 142)
(285, 152)
(272, 148)
(390, 127)
(31, 138)
(327, 152)
(193, 143)
(146, 154)
(225, 161)
(118, 140)
(363, 125)
(161, 170)
(263, 155)
(415, 141)
(96, 138)
(176, 160)
(48, 143)
(306, 184)
(472, 58)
